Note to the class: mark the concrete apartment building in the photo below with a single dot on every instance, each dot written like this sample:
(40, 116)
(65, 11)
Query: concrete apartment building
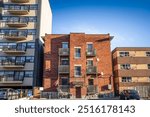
(131, 67)
(77, 64)
(22, 23)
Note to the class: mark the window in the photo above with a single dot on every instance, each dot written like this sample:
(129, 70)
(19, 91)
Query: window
(34, 7)
(148, 54)
(9, 73)
(91, 82)
(19, 75)
(29, 59)
(29, 74)
(32, 32)
(148, 66)
(89, 46)
(125, 66)
(64, 81)
(77, 52)
(126, 79)
(64, 61)
(122, 54)
(77, 71)
(31, 45)
(64, 44)
(89, 62)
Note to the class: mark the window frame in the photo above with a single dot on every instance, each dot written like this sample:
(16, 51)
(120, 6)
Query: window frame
(76, 72)
(76, 52)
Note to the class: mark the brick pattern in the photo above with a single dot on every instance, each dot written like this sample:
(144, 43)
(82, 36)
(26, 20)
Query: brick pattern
(101, 42)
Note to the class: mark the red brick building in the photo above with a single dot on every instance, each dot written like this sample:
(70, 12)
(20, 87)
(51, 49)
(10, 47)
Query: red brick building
(78, 64)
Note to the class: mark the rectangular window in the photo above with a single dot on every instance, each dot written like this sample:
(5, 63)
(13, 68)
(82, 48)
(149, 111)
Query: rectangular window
(64, 81)
(29, 74)
(29, 59)
(64, 61)
(77, 71)
(126, 79)
(89, 62)
(77, 52)
(91, 82)
(123, 54)
(148, 66)
(32, 32)
(125, 66)
(30, 45)
(148, 54)
(64, 44)
(89, 46)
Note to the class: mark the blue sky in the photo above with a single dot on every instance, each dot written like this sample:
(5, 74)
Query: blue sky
(127, 20)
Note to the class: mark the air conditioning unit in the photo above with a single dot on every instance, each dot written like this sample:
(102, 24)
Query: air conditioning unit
(109, 86)
(89, 53)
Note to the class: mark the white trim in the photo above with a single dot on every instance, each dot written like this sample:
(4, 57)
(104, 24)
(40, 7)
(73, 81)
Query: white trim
(89, 42)
(77, 47)
(89, 59)
(77, 65)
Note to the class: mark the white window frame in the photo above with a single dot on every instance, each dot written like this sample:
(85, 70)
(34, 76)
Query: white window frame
(75, 52)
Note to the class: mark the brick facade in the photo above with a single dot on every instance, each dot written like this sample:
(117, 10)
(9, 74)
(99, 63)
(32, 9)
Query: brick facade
(101, 79)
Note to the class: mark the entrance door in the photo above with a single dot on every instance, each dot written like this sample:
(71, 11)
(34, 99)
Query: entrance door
(78, 92)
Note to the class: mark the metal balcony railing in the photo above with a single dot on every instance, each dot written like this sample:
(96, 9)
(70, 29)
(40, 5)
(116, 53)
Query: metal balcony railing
(19, 23)
(14, 49)
(15, 36)
(12, 64)
(92, 89)
(63, 69)
(10, 80)
(90, 52)
(64, 88)
(91, 70)
(63, 51)
(20, 11)
(20, 1)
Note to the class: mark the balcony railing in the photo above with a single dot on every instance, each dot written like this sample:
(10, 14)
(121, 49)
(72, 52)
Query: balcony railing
(63, 69)
(17, 24)
(77, 83)
(20, 1)
(63, 51)
(15, 37)
(64, 88)
(90, 52)
(12, 64)
(11, 80)
(91, 70)
(92, 89)
(14, 49)
(14, 11)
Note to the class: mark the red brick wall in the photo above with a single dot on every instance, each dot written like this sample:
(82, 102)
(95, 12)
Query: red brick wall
(100, 42)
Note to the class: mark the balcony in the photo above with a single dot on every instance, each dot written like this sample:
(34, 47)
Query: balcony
(77, 83)
(90, 53)
(15, 37)
(11, 80)
(11, 64)
(92, 89)
(16, 24)
(14, 50)
(14, 11)
(64, 88)
(63, 69)
(63, 51)
(91, 70)
(20, 1)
